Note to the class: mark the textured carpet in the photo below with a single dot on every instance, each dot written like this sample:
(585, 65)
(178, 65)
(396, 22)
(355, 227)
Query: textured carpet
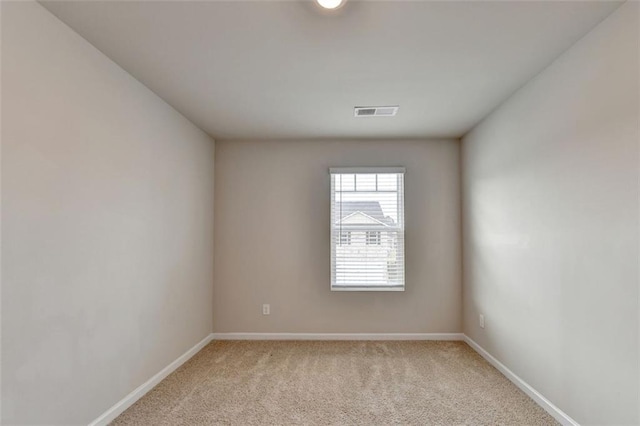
(335, 383)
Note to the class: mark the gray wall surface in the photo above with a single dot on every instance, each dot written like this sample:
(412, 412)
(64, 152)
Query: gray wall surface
(107, 226)
(551, 227)
(272, 240)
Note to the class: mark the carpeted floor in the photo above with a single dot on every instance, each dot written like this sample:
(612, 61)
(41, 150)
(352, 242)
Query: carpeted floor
(335, 383)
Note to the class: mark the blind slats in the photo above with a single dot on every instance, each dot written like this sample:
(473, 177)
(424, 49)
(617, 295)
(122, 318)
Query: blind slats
(367, 229)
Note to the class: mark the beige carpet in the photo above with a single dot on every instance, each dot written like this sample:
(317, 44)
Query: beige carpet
(335, 383)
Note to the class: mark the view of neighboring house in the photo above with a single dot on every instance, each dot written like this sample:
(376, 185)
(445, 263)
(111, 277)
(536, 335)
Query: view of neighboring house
(367, 249)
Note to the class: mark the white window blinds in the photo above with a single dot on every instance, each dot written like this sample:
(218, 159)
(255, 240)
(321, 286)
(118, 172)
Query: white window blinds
(367, 229)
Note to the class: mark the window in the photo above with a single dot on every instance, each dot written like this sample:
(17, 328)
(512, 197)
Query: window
(345, 238)
(373, 238)
(367, 229)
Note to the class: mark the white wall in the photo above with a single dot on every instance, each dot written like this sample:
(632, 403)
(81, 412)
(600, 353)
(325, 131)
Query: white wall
(551, 227)
(107, 232)
(272, 238)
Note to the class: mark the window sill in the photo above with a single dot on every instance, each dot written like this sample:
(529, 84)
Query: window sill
(367, 288)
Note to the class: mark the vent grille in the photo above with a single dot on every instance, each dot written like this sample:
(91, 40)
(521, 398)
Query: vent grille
(379, 111)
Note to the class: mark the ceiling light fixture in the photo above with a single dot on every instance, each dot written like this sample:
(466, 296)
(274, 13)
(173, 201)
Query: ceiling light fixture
(330, 4)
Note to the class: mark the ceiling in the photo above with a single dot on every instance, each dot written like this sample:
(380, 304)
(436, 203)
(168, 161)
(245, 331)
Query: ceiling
(286, 69)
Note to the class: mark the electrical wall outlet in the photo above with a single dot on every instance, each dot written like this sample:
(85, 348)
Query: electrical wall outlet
(266, 309)
(481, 321)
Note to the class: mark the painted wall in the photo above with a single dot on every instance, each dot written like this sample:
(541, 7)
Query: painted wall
(551, 227)
(272, 239)
(107, 226)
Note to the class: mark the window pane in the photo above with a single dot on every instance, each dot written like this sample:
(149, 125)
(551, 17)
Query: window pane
(345, 182)
(387, 182)
(365, 182)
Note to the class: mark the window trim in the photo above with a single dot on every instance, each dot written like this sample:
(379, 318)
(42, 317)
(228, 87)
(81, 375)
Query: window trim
(366, 170)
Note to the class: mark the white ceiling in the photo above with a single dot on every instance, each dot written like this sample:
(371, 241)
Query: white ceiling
(283, 69)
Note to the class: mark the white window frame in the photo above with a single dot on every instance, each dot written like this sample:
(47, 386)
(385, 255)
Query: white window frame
(401, 229)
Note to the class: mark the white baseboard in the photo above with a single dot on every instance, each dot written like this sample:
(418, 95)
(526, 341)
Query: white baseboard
(338, 336)
(126, 402)
(548, 406)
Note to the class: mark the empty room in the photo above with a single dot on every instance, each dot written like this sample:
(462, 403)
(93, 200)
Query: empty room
(319, 212)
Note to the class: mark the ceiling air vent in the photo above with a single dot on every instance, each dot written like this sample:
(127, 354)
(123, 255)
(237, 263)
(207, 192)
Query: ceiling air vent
(379, 111)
